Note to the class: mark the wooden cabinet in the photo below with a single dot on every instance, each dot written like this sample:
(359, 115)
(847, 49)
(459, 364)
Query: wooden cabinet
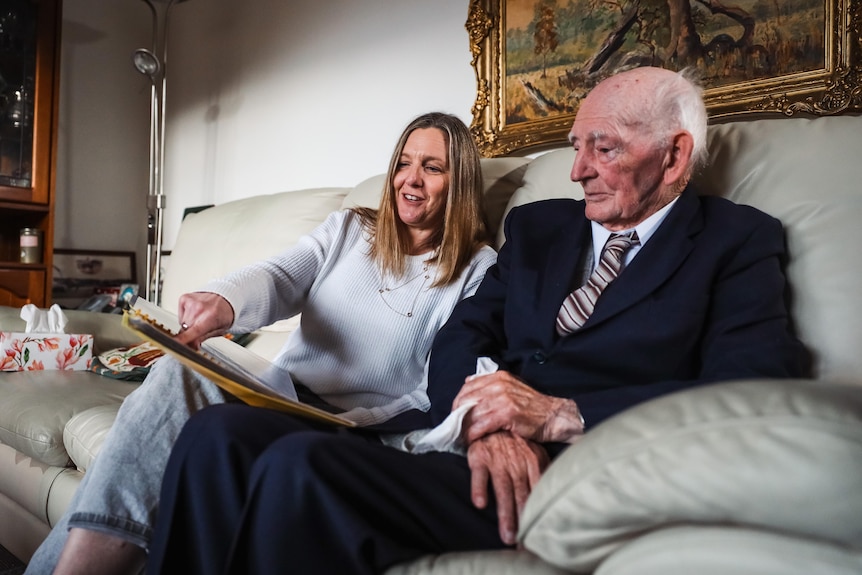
(21, 286)
(29, 96)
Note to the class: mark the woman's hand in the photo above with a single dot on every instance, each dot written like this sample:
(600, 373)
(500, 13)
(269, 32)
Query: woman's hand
(505, 403)
(203, 315)
(513, 465)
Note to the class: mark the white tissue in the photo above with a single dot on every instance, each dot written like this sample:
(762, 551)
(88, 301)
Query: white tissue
(51, 320)
(447, 435)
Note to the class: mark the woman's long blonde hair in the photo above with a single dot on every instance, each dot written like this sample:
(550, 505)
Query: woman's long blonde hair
(464, 229)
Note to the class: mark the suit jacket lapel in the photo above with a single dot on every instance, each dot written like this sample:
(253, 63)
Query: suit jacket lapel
(655, 263)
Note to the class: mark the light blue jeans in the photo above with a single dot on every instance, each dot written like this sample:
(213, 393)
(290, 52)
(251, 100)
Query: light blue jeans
(119, 494)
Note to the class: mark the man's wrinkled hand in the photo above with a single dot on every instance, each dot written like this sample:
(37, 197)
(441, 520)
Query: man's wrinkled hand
(203, 315)
(513, 466)
(505, 403)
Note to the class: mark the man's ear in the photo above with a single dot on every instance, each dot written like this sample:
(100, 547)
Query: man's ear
(678, 158)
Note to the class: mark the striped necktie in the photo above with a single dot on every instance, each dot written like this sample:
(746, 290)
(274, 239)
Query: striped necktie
(579, 304)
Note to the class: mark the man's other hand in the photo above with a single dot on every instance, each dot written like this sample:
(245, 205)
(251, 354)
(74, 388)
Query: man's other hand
(513, 465)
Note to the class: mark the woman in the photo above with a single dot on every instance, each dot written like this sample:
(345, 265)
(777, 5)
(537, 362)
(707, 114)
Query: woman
(373, 287)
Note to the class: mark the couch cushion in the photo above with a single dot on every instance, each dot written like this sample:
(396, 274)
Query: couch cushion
(724, 550)
(27, 483)
(86, 431)
(805, 172)
(505, 562)
(778, 455)
(268, 341)
(36, 405)
(366, 194)
(548, 176)
(502, 177)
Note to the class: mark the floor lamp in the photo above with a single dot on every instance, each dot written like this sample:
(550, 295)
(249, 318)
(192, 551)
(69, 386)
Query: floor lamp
(148, 63)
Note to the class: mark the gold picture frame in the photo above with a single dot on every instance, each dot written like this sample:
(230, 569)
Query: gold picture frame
(764, 58)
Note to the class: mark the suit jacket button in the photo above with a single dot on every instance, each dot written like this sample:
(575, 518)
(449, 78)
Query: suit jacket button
(539, 357)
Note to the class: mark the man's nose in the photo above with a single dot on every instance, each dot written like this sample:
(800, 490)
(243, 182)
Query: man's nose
(581, 167)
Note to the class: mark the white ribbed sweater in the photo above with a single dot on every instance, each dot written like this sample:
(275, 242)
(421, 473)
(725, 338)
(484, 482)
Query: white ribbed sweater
(355, 347)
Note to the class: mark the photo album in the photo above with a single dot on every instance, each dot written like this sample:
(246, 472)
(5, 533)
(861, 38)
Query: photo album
(237, 370)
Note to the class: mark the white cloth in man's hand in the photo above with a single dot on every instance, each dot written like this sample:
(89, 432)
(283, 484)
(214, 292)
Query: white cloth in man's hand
(447, 435)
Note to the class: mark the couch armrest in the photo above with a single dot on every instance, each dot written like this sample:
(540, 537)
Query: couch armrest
(775, 455)
(722, 549)
(107, 329)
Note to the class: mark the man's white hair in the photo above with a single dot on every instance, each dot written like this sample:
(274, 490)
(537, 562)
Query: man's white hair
(677, 105)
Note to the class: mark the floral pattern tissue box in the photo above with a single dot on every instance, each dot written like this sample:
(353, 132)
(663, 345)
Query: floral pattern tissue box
(20, 351)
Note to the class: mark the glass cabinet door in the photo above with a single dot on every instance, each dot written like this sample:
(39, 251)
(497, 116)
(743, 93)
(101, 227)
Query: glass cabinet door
(29, 71)
(18, 19)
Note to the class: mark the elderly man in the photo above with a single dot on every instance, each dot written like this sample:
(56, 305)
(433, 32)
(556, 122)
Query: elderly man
(641, 289)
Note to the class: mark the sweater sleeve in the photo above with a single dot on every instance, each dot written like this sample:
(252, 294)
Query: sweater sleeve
(276, 288)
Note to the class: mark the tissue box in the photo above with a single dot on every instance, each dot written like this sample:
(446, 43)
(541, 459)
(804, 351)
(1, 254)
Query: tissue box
(20, 351)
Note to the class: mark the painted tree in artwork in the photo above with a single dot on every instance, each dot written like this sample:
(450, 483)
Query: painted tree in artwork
(677, 39)
(545, 37)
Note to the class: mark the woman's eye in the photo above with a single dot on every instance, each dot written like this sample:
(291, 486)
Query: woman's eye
(433, 169)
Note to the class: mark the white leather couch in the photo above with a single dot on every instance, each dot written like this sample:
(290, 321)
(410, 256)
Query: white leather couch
(744, 477)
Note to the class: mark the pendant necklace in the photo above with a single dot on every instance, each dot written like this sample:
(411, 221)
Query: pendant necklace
(384, 290)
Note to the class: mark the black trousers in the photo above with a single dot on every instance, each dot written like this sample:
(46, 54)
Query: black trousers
(248, 490)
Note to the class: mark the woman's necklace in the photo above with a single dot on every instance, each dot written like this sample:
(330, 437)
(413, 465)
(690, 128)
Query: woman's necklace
(384, 291)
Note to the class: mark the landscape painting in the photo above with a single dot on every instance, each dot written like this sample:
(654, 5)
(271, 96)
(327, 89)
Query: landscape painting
(536, 59)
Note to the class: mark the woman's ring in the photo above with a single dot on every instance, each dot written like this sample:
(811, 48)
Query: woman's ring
(185, 326)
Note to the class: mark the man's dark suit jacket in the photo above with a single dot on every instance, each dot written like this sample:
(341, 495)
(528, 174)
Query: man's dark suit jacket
(703, 301)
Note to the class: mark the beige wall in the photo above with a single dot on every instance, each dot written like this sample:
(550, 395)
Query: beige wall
(103, 123)
(263, 96)
(286, 95)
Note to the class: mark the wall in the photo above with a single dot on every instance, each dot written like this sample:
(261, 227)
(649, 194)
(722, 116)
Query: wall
(263, 96)
(281, 95)
(102, 148)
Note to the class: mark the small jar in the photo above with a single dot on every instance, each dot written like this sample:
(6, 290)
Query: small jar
(31, 246)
